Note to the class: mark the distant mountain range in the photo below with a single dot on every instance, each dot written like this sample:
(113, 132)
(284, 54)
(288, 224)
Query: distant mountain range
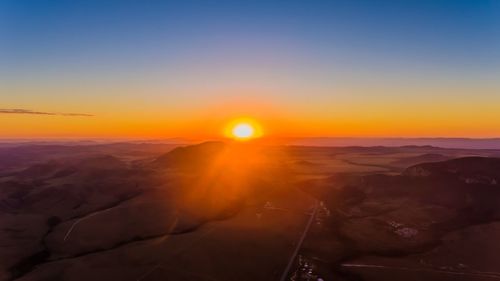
(468, 143)
(465, 143)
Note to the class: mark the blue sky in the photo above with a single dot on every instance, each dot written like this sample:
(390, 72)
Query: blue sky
(445, 34)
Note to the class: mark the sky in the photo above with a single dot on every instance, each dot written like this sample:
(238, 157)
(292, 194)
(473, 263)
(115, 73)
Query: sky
(159, 69)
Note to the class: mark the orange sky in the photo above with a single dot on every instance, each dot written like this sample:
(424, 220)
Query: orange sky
(278, 118)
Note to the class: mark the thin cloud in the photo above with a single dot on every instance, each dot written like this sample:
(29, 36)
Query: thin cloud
(33, 112)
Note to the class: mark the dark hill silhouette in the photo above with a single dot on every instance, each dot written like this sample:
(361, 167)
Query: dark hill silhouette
(469, 169)
(41, 170)
(399, 215)
(101, 162)
(66, 167)
(190, 157)
(423, 158)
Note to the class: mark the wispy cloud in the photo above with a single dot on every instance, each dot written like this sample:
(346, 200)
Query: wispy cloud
(34, 112)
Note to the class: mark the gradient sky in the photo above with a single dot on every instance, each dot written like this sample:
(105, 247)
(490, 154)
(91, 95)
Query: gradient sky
(301, 68)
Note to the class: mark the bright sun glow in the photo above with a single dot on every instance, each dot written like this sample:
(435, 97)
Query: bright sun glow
(243, 129)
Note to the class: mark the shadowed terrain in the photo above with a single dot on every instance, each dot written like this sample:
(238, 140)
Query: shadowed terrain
(238, 211)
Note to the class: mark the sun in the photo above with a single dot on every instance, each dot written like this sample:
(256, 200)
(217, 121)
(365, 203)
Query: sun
(243, 129)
